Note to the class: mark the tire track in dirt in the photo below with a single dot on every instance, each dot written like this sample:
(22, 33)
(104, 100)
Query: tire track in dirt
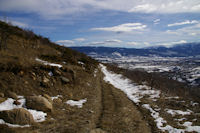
(118, 114)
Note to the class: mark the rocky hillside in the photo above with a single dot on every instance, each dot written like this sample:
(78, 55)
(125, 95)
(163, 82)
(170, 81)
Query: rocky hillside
(45, 87)
(37, 78)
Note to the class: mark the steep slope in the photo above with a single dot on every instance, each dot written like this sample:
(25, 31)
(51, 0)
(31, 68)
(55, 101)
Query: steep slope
(45, 87)
(31, 65)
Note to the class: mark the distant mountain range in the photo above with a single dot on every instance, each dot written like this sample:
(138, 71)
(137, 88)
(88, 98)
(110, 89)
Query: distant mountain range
(181, 50)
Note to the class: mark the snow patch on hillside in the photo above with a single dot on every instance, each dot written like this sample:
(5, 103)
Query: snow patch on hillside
(38, 116)
(79, 103)
(48, 63)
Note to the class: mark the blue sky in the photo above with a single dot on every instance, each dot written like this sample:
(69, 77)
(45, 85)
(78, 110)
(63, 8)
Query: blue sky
(112, 23)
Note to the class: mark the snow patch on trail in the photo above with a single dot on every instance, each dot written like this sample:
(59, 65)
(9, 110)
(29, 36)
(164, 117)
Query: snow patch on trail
(133, 91)
(79, 103)
(47, 63)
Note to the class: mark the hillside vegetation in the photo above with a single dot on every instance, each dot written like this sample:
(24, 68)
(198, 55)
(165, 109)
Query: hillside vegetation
(45, 87)
(29, 66)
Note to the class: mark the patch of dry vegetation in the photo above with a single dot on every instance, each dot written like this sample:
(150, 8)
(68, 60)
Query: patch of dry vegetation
(23, 75)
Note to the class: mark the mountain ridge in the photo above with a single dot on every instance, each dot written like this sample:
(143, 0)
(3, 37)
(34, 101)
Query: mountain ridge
(181, 50)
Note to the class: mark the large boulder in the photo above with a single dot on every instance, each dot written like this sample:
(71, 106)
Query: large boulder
(17, 116)
(38, 103)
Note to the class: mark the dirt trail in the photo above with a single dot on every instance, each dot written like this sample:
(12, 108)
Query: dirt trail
(119, 114)
(107, 110)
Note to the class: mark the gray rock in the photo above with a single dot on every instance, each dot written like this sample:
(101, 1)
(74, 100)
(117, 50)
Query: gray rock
(64, 79)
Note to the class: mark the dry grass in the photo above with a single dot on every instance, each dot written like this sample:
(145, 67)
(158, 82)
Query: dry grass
(22, 74)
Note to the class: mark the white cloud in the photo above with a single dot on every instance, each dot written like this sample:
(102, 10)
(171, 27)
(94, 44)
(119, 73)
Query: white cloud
(134, 43)
(138, 44)
(172, 32)
(16, 23)
(192, 30)
(170, 44)
(20, 24)
(183, 23)
(113, 41)
(96, 43)
(147, 8)
(127, 27)
(146, 43)
(167, 6)
(57, 8)
(79, 39)
(65, 42)
(156, 21)
(193, 34)
(109, 42)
